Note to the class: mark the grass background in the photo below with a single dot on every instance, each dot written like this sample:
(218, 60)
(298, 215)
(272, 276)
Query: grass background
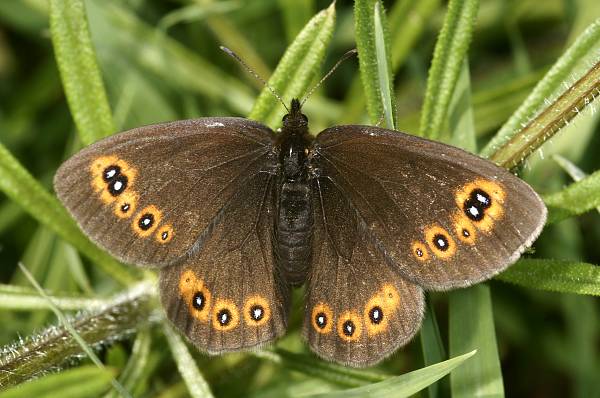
(465, 72)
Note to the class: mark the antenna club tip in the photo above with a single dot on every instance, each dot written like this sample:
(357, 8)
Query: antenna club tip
(225, 49)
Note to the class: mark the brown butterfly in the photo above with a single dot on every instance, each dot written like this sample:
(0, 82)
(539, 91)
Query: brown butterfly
(235, 216)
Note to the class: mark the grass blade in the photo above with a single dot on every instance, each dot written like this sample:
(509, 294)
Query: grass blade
(450, 51)
(79, 70)
(577, 198)
(374, 58)
(471, 326)
(21, 298)
(554, 275)
(575, 172)
(404, 385)
(81, 382)
(197, 386)
(432, 346)
(565, 67)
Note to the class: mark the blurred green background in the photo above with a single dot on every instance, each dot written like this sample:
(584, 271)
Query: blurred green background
(160, 60)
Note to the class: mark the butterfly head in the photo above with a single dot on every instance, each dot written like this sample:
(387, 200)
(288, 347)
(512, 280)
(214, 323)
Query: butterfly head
(295, 120)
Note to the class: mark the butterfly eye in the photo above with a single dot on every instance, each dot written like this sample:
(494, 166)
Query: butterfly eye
(256, 311)
(225, 315)
(349, 326)
(322, 318)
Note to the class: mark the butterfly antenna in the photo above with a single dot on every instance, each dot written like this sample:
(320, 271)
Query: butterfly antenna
(347, 55)
(251, 71)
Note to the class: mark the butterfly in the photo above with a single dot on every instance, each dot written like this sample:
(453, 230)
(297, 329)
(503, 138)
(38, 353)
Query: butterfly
(235, 216)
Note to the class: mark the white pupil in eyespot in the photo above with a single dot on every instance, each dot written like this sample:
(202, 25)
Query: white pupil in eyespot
(376, 314)
(257, 313)
(474, 211)
(481, 198)
(118, 186)
(111, 173)
(223, 317)
(321, 319)
(164, 235)
(441, 242)
(146, 221)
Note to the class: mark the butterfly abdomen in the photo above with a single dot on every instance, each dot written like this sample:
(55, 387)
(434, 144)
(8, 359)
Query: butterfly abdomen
(293, 229)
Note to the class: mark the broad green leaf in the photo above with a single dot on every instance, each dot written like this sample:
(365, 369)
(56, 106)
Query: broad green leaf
(375, 61)
(471, 327)
(450, 52)
(297, 68)
(79, 71)
(84, 382)
(577, 198)
(197, 386)
(554, 275)
(25, 191)
(511, 142)
(405, 385)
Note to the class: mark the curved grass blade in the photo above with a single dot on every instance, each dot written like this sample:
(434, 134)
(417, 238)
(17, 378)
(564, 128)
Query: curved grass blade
(405, 385)
(79, 70)
(21, 298)
(450, 52)
(197, 386)
(585, 45)
(374, 57)
(25, 191)
(577, 198)
(297, 67)
(81, 382)
(554, 275)
(575, 172)
(471, 326)
(432, 346)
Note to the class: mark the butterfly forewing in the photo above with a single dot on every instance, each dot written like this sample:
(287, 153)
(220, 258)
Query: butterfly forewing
(442, 217)
(149, 194)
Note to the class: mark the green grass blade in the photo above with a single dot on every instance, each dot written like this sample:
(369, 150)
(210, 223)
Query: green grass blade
(585, 45)
(21, 298)
(450, 51)
(295, 13)
(405, 385)
(297, 68)
(25, 191)
(374, 57)
(79, 70)
(81, 382)
(460, 118)
(471, 326)
(197, 386)
(554, 275)
(577, 198)
(432, 346)
(575, 172)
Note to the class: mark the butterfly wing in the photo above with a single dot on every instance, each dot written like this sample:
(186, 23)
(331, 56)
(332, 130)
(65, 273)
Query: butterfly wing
(358, 309)
(441, 216)
(229, 295)
(148, 195)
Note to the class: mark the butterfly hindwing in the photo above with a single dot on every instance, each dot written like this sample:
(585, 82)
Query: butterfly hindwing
(149, 194)
(358, 309)
(441, 216)
(228, 294)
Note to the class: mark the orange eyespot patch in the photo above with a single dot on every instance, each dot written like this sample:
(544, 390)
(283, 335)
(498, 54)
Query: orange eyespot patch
(196, 295)
(390, 297)
(164, 234)
(349, 326)
(464, 228)
(257, 311)
(481, 202)
(322, 318)
(419, 251)
(111, 177)
(146, 221)
(440, 242)
(225, 315)
(376, 314)
(126, 204)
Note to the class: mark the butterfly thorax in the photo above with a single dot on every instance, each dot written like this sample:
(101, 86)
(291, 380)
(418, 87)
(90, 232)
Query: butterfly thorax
(294, 221)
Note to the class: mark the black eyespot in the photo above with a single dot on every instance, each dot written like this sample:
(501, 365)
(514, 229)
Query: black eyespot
(146, 221)
(441, 242)
(348, 328)
(198, 301)
(481, 197)
(224, 317)
(164, 235)
(473, 210)
(125, 207)
(376, 315)
(466, 233)
(257, 312)
(117, 185)
(111, 172)
(419, 252)
(321, 320)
